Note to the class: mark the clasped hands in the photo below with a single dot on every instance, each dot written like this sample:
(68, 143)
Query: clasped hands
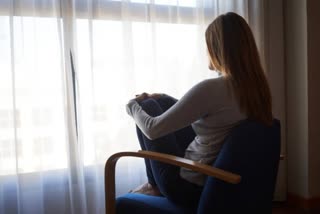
(143, 96)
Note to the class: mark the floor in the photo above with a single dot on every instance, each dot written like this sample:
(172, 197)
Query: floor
(282, 208)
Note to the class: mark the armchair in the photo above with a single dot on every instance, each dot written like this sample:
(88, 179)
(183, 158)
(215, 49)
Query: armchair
(242, 179)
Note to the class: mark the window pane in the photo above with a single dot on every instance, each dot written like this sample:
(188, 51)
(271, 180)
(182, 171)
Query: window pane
(130, 58)
(34, 84)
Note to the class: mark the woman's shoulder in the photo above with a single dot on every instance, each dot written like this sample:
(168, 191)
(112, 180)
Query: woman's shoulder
(207, 87)
(211, 83)
(215, 79)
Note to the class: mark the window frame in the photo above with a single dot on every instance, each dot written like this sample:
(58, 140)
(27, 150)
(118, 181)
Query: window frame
(111, 10)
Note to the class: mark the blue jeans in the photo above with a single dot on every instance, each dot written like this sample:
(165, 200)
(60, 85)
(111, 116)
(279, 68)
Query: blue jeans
(167, 177)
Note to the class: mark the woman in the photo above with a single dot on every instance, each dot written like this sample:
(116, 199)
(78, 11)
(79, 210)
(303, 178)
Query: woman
(195, 126)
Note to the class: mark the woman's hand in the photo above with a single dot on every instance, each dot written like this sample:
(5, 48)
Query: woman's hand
(155, 95)
(143, 96)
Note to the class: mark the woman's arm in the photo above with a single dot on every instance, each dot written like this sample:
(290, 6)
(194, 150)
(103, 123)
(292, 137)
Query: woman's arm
(191, 107)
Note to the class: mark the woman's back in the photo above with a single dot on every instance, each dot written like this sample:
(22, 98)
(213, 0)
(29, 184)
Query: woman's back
(211, 129)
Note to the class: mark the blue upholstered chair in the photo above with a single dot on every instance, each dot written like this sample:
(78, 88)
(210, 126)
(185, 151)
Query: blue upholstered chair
(242, 179)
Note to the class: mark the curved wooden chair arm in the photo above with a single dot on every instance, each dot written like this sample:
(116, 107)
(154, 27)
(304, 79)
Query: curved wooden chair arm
(170, 159)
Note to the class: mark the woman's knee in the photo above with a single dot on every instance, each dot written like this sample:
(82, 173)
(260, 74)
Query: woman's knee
(151, 107)
(166, 102)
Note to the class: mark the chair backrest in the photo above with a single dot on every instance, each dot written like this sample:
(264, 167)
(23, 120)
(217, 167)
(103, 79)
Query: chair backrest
(251, 150)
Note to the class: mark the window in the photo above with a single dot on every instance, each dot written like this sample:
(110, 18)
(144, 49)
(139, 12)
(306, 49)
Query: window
(152, 60)
(181, 3)
(36, 133)
(115, 58)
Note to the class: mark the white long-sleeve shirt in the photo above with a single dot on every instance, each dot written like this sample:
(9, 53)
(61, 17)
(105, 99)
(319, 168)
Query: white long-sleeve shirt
(211, 110)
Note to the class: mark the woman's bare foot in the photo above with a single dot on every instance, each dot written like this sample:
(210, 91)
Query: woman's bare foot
(146, 189)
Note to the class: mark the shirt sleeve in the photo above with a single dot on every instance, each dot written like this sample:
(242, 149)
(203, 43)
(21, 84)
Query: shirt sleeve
(191, 107)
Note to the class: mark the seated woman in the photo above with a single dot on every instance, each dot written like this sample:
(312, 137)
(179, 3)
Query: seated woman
(195, 126)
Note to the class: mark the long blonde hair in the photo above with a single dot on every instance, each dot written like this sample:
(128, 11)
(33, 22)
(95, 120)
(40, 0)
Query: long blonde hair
(233, 52)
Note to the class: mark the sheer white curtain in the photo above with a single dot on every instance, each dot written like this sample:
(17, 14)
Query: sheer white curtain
(60, 120)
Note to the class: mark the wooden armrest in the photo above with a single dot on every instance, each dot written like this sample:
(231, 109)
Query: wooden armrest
(282, 157)
(195, 166)
(170, 159)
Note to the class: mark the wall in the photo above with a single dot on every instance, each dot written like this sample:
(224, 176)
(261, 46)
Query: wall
(303, 98)
(297, 96)
(313, 13)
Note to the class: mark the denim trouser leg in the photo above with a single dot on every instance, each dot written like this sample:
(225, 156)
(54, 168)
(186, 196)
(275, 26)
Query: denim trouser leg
(165, 176)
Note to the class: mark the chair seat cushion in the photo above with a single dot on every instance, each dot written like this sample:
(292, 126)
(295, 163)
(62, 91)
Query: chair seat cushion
(145, 204)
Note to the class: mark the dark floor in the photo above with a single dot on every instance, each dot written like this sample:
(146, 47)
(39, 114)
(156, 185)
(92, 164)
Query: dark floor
(283, 208)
